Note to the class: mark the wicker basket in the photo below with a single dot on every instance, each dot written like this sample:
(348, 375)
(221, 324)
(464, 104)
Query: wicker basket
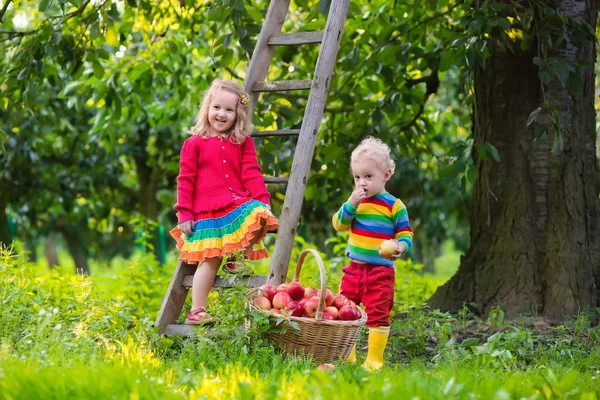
(323, 340)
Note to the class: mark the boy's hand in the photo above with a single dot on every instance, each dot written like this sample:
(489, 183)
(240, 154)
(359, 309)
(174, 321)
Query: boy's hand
(357, 196)
(186, 227)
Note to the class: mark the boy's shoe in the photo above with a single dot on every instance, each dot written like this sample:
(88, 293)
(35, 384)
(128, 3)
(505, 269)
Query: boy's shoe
(235, 267)
(199, 316)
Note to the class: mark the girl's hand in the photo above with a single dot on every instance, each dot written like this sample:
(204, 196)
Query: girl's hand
(357, 196)
(186, 227)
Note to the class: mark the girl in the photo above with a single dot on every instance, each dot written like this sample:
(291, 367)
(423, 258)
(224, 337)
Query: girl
(372, 215)
(222, 202)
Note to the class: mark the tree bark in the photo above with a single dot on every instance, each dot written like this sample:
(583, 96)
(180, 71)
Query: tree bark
(535, 215)
(77, 251)
(51, 252)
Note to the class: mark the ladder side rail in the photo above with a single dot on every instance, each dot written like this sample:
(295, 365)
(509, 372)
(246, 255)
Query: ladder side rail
(294, 196)
(263, 53)
(175, 297)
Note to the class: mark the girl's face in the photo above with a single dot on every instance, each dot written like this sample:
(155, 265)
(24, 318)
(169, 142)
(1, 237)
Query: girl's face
(369, 176)
(222, 111)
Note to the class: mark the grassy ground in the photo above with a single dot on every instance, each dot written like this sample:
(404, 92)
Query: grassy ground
(68, 337)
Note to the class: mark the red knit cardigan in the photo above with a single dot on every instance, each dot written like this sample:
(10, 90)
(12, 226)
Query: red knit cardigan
(212, 170)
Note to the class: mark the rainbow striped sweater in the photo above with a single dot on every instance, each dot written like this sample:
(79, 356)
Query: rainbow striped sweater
(376, 219)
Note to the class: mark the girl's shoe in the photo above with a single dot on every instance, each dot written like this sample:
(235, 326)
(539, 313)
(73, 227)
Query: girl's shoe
(199, 316)
(235, 267)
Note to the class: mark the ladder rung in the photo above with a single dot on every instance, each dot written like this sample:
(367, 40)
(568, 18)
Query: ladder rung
(296, 38)
(231, 281)
(276, 180)
(281, 86)
(280, 132)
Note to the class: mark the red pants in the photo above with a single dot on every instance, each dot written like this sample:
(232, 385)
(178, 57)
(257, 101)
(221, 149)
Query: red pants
(373, 286)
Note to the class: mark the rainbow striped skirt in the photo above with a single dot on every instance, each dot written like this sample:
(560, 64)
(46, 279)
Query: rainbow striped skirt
(218, 233)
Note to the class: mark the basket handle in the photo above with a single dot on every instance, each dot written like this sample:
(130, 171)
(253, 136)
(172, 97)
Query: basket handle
(321, 265)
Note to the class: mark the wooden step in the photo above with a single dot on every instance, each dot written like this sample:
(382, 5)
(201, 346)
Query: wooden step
(296, 38)
(280, 132)
(273, 180)
(282, 86)
(230, 281)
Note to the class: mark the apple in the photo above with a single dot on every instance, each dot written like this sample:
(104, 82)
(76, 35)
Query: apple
(388, 248)
(339, 301)
(282, 287)
(328, 297)
(275, 310)
(331, 310)
(326, 367)
(303, 301)
(281, 299)
(349, 313)
(262, 302)
(269, 291)
(295, 309)
(310, 292)
(295, 290)
(328, 316)
(311, 306)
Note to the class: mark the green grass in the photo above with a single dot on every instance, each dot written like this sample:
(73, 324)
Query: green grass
(68, 337)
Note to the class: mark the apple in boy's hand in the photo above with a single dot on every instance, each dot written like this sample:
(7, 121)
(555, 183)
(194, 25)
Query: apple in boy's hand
(388, 248)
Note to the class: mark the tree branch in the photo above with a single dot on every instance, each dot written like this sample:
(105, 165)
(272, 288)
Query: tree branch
(4, 8)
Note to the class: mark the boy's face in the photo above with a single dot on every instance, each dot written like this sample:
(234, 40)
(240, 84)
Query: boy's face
(368, 175)
(222, 111)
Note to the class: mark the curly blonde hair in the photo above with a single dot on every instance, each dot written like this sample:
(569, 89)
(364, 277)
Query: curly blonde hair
(240, 128)
(374, 149)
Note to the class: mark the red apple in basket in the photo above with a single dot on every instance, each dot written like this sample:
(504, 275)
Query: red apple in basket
(328, 316)
(282, 287)
(310, 292)
(311, 306)
(295, 290)
(332, 310)
(281, 299)
(328, 297)
(275, 311)
(303, 301)
(295, 309)
(350, 313)
(262, 302)
(339, 301)
(268, 291)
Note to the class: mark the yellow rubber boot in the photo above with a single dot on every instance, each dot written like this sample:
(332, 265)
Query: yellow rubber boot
(378, 337)
(352, 356)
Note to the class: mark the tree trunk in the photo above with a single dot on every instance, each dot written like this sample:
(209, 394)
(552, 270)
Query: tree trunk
(5, 236)
(535, 215)
(77, 251)
(51, 252)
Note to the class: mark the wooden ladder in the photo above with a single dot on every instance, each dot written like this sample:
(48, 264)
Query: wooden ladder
(271, 36)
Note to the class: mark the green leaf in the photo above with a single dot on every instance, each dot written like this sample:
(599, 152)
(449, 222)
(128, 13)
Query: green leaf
(540, 62)
(56, 37)
(574, 83)
(43, 5)
(98, 69)
(468, 342)
(22, 74)
(533, 116)
(491, 151)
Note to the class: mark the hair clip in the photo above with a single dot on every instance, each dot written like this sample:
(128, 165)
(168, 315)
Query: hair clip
(243, 100)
